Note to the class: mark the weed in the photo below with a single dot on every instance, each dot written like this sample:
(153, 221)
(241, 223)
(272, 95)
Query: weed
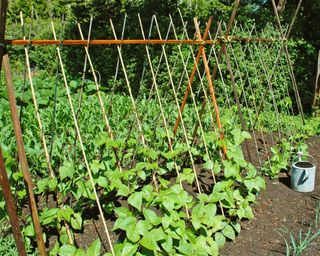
(297, 245)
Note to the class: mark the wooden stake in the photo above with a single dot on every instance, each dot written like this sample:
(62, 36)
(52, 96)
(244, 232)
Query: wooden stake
(11, 208)
(22, 154)
(211, 88)
(317, 86)
(4, 60)
(195, 66)
(232, 39)
(215, 69)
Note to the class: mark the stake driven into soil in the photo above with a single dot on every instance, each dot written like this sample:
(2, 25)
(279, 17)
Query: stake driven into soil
(11, 208)
(18, 133)
(22, 154)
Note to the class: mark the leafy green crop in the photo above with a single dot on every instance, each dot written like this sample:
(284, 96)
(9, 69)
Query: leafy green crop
(149, 190)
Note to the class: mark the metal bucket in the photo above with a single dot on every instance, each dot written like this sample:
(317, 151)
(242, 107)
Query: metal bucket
(303, 175)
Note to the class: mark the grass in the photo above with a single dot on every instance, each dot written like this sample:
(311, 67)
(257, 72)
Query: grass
(298, 244)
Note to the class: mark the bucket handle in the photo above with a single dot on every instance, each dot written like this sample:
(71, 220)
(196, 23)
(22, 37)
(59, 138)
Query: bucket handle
(300, 155)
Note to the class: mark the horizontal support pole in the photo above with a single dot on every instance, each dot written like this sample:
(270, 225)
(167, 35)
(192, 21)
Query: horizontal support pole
(138, 41)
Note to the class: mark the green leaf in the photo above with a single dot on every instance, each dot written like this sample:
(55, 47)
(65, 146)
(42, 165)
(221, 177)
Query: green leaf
(237, 196)
(151, 216)
(123, 190)
(136, 200)
(132, 233)
(147, 191)
(241, 213)
(167, 245)
(255, 184)
(124, 223)
(79, 252)
(64, 239)
(95, 166)
(49, 215)
(216, 167)
(122, 212)
(76, 221)
(166, 221)
(42, 184)
(261, 182)
(53, 183)
(94, 248)
(220, 239)
(245, 135)
(237, 136)
(248, 212)
(208, 165)
(169, 155)
(152, 154)
(67, 250)
(143, 227)
(168, 203)
(149, 242)
(204, 198)
(29, 231)
(55, 250)
(67, 170)
(164, 183)
(170, 165)
(142, 174)
(129, 249)
(157, 234)
(228, 232)
(185, 248)
(230, 170)
(103, 182)
(101, 138)
(236, 226)
(66, 212)
(214, 248)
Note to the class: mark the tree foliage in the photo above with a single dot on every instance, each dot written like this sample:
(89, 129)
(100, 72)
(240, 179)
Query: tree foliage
(303, 44)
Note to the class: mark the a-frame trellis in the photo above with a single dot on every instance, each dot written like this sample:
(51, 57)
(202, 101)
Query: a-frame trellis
(212, 49)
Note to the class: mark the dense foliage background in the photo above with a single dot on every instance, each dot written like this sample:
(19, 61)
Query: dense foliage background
(147, 188)
(303, 45)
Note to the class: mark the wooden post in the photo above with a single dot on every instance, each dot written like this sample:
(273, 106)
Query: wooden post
(236, 96)
(3, 11)
(215, 69)
(289, 63)
(195, 67)
(17, 130)
(211, 88)
(317, 87)
(22, 154)
(11, 208)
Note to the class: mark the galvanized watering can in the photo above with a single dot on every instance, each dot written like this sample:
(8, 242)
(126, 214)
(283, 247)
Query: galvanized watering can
(303, 174)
